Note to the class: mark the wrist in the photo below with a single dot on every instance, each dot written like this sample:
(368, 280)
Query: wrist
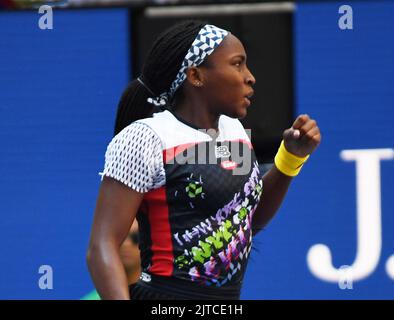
(288, 163)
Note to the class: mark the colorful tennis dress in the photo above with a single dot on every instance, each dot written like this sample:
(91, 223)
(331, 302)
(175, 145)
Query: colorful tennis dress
(195, 220)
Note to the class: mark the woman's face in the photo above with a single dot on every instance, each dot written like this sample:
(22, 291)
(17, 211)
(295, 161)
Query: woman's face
(227, 81)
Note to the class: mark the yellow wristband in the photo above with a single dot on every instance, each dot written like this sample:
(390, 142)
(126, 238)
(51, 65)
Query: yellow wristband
(288, 163)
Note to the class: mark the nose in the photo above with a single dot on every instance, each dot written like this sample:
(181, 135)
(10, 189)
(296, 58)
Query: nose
(250, 79)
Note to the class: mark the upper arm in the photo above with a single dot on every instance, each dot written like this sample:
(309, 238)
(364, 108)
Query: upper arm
(116, 208)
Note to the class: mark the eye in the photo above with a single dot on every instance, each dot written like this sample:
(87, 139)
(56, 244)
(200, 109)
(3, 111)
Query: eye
(238, 63)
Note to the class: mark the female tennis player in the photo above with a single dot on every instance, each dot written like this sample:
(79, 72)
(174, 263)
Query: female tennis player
(182, 164)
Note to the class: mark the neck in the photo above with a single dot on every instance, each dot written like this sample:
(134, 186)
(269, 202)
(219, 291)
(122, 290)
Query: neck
(197, 113)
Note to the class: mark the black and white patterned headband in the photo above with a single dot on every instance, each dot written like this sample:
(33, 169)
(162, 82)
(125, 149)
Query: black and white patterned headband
(207, 40)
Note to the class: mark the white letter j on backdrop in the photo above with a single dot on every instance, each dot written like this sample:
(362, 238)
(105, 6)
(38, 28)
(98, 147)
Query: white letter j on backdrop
(369, 222)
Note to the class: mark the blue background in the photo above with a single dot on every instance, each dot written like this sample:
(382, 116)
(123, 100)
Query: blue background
(343, 79)
(59, 91)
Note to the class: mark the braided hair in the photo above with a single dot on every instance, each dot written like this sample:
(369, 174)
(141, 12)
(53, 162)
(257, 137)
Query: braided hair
(158, 72)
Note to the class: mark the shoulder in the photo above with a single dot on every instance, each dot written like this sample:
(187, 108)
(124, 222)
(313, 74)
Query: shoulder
(233, 128)
(137, 138)
(137, 132)
(134, 157)
(134, 128)
(158, 122)
(228, 121)
(171, 131)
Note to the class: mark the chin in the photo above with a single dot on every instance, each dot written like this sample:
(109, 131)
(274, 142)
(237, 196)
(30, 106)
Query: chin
(236, 115)
(238, 112)
(241, 113)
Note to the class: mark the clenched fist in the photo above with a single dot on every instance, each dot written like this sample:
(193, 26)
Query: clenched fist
(303, 137)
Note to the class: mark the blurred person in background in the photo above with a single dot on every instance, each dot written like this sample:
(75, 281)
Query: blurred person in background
(130, 256)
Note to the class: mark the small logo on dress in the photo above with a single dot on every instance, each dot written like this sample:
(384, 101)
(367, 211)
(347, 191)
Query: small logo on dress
(229, 165)
(222, 152)
(145, 277)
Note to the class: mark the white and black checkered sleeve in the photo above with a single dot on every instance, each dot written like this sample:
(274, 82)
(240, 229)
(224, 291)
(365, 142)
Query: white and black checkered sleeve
(134, 157)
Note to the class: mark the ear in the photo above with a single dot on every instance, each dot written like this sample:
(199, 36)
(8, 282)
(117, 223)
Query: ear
(195, 76)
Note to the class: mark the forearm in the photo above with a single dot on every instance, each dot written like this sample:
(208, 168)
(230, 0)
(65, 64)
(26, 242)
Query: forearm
(275, 186)
(108, 273)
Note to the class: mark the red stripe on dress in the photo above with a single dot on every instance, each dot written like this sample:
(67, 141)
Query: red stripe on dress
(171, 153)
(160, 232)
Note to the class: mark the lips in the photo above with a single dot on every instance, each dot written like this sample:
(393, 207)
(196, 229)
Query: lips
(248, 96)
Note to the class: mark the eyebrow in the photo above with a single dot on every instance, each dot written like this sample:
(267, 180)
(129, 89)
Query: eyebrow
(242, 56)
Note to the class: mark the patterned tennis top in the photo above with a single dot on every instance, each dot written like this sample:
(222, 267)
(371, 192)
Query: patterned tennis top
(200, 193)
